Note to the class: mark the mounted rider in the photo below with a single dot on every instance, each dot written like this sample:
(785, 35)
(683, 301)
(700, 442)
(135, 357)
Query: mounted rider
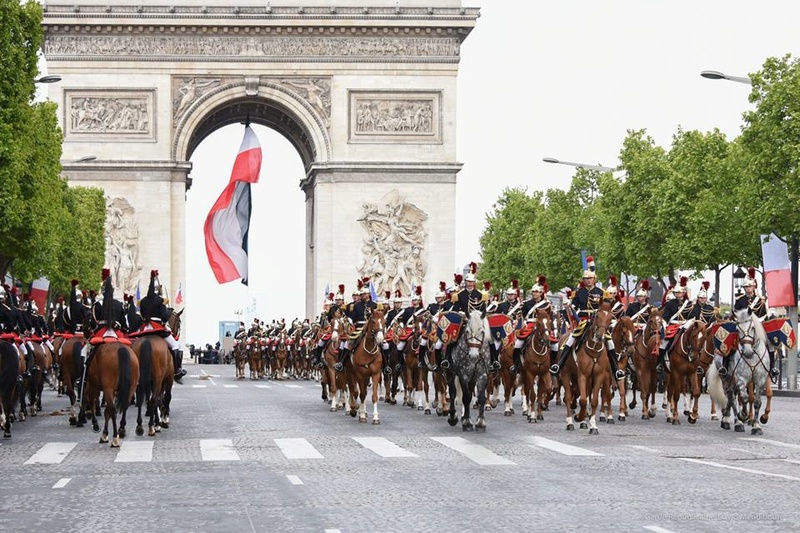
(586, 302)
(406, 321)
(639, 311)
(155, 315)
(757, 305)
(464, 301)
(527, 313)
(323, 319)
(618, 297)
(677, 312)
(703, 310)
(433, 310)
(391, 317)
(361, 311)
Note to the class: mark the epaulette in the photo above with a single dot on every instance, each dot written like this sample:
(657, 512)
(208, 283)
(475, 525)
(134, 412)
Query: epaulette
(484, 296)
(454, 297)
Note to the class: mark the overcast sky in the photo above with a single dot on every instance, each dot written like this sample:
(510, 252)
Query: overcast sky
(537, 79)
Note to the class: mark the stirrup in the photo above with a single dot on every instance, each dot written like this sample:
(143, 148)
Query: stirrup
(339, 367)
(387, 370)
(446, 364)
(554, 369)
(513, 369)
(722, 371)
(177, 379)
(619, 374)
(659, 367)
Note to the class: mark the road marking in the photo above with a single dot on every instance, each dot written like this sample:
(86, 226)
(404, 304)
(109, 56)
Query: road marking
(333, 531)
(792, 461)
(644, 448)
(770, 441)
(383, 447)
(297, 449)
(750, 452)
(51, 453)
(288, 386)
(657, 529)
(564, 449)
(474, 452)
(263, 386)
(739, 468)
(231, 386)
(218, 450)
(294, 480)
(61, 483)
(135, 451)
(198, 386)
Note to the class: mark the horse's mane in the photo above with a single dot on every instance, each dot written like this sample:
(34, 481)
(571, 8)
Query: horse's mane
(745, 315)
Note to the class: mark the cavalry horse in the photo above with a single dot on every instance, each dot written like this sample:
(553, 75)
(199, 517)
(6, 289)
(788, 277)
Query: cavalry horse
(334, 384)
(537, 384)
(254, 358)
(240, 357)
(156, 370)
(749, 379)
(72, 375)
(9, 370)
(684, 359)
(280, 356)
(593, 369)
(114, 371)
(412, 371)
(470, 370)
(645, 357)
(431, 364)
(364, 366)
(623, 334)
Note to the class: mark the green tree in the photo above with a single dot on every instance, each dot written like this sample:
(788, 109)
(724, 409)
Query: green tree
(551, 247)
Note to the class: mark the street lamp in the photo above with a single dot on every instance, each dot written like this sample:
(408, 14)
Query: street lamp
(86, 159)
(793, 245)
(48, 79)
(599, 168)
(738, 282)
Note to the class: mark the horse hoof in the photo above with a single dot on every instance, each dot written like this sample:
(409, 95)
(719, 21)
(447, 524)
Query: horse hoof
(121, 433)
(539, 417)
(584, 425)
(439, 412)
(594, 431)
(531, 420)
(480, 429)
(376, 422)
(764, 419)
(467, 428)
(714, 417)
(487, 408)
(756, 431)
(353, 413)
(570, 427)
(73, 421)
(151, 431)
(676, 422)
(164, 425)
(738, 428)
(452, 421)
(621, 418)
(651, 412)
(333, 409)
(507, 413)
(609, 420)
(95, 427)
(601, 418)
(669, 420)
(427, 411)
(725, 425)
(6, 435)
(420, 408)
(692, 419)
(139, 431)
(103, 439)
(686, 412)
(558, 402)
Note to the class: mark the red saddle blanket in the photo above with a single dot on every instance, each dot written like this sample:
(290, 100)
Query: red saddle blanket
(672, 329)
(98, 338)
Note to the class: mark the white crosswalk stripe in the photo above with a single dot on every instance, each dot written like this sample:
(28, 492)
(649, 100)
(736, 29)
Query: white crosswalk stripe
(218, 450)
(298, 449)
(135, 452)
(383, 447)
(51, 453)
(564, 449)
(474, 452)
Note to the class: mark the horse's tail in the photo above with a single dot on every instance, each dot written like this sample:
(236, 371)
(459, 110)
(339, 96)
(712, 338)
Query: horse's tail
(715, 388)
(145, 388)
(9, 368)
(77, 363)
(123, 398)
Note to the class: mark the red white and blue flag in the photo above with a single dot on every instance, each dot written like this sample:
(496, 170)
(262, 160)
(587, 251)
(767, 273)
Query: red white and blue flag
(777, 272)
(228, 222)
(39, 289)
(179, 294)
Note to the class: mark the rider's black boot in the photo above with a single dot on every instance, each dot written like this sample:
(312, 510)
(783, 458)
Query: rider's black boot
(177, 360)
(662, 355)
(494, 365)
(773, 372)
(612, 359)
(562, 357)
(437, 354)
(726, 364)
(423, 351)
(317, 361)
(387, 368)
(448, 356)
(339, 365)
(517, 366)
(401, 361)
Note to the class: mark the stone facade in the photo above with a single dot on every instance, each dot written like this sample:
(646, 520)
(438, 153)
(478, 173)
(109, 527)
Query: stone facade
(143, 84)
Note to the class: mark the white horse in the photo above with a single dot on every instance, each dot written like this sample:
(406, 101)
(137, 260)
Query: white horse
(750, 373)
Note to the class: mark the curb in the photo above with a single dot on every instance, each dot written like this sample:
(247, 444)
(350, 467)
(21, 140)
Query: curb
(786, 393)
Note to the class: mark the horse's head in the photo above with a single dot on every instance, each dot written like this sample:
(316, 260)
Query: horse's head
(751, 332)
(174, 323)
(623, 332)
(697, 335)
(543, 328)
(655, 324)
(377, 324)
(475, 333)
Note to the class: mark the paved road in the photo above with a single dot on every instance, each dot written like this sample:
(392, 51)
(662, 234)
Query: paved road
(268, 456)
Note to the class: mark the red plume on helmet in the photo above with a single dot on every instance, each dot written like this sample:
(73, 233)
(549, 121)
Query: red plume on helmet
(60, 299)
(487, 285)
(341, 289)
(105, 273)
(664, 297)
(26, 297)
(515, 284)
(74, 282)
(458, 278)
(646, 284)
(612, 280)
(360, 284)
(706, 285)
(388, 295)
(365, 281)
(568, 292)
(581, 285)
(473, 267)
(330, 296)
(418, 290)
(443, 286)
(620, 295)
(541, 280)
(398, 294)
(154, 273)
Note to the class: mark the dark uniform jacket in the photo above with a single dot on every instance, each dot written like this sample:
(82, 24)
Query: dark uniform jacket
(390, 316)
(670, 309)
(8, 318)
(467, 301)
(530, 303)
(434, 308)
(756, 304)
(586, 300)
(635, 307)
(704, 312)
(360, 311)
(505, 307)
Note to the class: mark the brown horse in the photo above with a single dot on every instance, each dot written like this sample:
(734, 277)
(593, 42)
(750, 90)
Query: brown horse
(255, 360)
(645, 355)
(412, 373)
(684, 358)
(156, 372)
(431, 364)
(9, 370)
(114, 371)
(364, 366)
(536, 381)
(623, 335)
(334, 384)
(280, 355)
(594, 370)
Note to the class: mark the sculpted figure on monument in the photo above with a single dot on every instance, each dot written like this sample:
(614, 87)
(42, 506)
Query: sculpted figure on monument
(122, 244)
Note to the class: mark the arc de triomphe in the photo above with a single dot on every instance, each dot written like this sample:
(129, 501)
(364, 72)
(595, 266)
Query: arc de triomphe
(365, 91)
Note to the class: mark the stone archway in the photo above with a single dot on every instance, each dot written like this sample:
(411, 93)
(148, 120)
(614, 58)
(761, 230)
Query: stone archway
(367, 96)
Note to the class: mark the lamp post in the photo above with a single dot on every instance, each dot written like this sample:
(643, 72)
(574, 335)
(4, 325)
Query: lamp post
(48, 79)
(794, 251)
(599, 168)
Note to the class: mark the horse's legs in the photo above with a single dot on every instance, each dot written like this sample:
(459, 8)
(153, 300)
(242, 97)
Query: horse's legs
(623, 400)
(376, 381)
(451, 385)
(694, 413)
(362, 398)
(466, 395)
(583, 394)
(765, 417)
(480, 423)
(568, 401)
(508, 383)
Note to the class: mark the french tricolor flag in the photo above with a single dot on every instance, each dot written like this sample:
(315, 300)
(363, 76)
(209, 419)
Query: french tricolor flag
(777, 272)
(228, 222)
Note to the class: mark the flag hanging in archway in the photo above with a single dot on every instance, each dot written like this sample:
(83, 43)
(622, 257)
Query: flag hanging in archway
(228, 223)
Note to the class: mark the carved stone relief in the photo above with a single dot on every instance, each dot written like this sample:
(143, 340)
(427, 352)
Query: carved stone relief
(395, 247)
(185, 91)
(315, 91)
(123, 114)
(219, 48)
(391, 117)
(122, 244)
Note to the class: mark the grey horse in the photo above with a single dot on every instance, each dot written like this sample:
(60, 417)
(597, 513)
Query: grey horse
(470, 370)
